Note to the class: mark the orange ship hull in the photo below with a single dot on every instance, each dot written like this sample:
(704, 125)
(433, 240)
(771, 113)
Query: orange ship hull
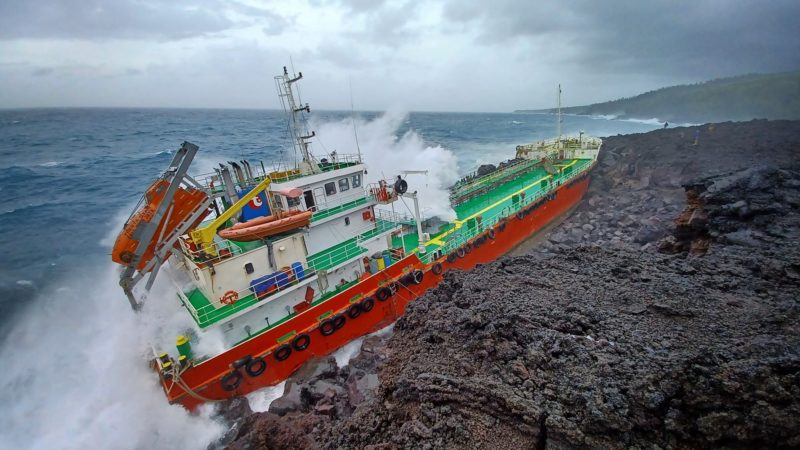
(204, 379)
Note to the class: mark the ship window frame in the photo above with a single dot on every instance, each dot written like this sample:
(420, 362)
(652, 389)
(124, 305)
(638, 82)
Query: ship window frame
(344, 184)
(330, 189)
(356, 180)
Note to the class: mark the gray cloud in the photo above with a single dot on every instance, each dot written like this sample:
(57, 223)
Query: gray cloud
(98, 19)
(690, 39)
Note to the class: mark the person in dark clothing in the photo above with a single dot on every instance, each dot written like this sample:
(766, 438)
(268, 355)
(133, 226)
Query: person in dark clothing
(666, 124)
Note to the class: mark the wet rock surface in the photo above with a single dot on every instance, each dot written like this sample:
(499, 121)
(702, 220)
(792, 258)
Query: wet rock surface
(595, 338)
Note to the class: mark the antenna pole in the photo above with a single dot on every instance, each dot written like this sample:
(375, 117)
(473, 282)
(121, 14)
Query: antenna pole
(353, 117)
(559, 112)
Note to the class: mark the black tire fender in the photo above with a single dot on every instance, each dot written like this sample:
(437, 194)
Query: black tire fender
(283, 352)
(383, 293)
(417, 276)
(461, 252)
(231, 381)
(520, 215)
(256, 367)
(366, 305)
(339, 321)
(491, 234)
(353, 311)
(327, 327)
(301, 342)
(451, 258)
(437, 269)
(468, 247)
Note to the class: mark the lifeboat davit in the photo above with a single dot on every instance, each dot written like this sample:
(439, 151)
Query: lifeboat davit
(261, 227)
(185, 202)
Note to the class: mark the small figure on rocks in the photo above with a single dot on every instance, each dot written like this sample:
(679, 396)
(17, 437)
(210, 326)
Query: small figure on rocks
(666, 124)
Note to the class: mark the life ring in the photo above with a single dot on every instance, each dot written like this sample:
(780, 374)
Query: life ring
(491, 234)
(256, 367)
(460, 252)
(437, 268)
(229, 298)
(231, 381)
(301, 342)
(338, 321)
(451, 258)
(383, 293)
(417, 277)
(367, 304)
(326, 327)
(353, 311)
(283, 352)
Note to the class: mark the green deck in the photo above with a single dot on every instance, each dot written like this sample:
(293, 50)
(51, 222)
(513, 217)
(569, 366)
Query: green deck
(494, 205)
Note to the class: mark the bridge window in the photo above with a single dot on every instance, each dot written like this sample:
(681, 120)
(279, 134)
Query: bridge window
(357, 180)
(344, 184)
(330, 188)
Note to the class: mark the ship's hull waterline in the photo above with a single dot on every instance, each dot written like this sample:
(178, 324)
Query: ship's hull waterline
(204, 381)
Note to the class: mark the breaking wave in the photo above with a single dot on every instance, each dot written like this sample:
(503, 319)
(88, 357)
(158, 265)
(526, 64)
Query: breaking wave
(387, 155)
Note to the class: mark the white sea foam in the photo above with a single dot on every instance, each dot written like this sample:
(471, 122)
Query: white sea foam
(51, 164)
(75, 372)
(387, 155)
(260, 400)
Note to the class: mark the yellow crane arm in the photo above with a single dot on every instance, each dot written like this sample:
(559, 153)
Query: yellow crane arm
(204, 237)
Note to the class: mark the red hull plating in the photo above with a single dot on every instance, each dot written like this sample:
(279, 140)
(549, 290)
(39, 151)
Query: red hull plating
(204, 378)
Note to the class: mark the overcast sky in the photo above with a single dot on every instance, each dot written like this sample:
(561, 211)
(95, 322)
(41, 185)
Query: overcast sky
(437, 55)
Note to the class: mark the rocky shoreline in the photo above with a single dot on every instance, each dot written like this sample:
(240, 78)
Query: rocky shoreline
(663, 313)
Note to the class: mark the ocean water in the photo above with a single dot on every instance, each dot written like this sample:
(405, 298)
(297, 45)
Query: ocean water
(73, 354)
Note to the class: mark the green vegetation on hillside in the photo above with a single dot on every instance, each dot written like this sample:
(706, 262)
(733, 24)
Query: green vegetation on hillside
(758, 96)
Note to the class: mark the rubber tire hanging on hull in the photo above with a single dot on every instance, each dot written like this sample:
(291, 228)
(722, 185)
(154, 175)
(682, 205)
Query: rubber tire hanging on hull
(353, 311)
(367, 304)
(327, 327)
(283, 352)
(339, 321)
(231, 381)
(301, 342)
(437, 268)
(383, 294)
(256, 367)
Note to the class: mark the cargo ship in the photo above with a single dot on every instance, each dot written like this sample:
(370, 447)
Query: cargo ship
(293, 263)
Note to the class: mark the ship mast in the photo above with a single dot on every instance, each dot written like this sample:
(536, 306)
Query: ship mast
(559, 113)
(300, 135)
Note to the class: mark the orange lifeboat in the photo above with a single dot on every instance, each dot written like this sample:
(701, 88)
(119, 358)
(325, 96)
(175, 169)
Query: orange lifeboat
(185, 202)
(261, 227)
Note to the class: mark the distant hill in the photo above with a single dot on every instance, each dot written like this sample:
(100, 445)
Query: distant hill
(758, 96)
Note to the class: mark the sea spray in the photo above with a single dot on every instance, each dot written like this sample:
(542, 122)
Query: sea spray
(387, 155)
(76, 375)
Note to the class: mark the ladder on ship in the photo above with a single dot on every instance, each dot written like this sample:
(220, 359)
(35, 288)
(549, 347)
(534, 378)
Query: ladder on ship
(177, 175)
